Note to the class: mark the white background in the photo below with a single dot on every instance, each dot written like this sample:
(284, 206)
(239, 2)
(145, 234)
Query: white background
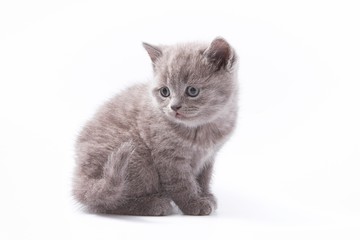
(291, 170)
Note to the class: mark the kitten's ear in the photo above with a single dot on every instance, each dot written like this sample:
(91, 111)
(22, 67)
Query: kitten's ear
(154, 52)
(220, 53)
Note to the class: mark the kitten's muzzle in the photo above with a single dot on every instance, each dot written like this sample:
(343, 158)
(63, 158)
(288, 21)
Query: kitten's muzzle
(176, 107)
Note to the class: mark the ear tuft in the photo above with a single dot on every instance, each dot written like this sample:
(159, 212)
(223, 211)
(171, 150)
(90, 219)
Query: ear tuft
(154, 52)
(219, 53)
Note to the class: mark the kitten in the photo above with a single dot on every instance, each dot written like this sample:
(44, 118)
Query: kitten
(155, 142)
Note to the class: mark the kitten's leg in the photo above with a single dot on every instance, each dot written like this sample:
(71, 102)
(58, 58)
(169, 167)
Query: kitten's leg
(178, 181)
(151, 205)
(106, 192)
(204, 179)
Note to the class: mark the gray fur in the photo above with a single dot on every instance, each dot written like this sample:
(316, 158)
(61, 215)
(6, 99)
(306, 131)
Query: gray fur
(136, 155)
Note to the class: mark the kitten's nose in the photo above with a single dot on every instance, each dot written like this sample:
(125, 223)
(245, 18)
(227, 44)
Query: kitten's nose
(175, 107)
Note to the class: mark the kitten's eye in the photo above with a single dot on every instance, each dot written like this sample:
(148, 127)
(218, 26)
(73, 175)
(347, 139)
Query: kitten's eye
(164, 91)
(192, 91)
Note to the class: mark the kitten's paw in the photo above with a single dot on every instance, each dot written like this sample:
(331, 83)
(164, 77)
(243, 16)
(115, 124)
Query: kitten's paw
(198, 206)
(212, 199)
(160, 207)
(147, 206)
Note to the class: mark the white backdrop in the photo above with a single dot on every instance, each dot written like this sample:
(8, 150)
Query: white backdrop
(291, 170)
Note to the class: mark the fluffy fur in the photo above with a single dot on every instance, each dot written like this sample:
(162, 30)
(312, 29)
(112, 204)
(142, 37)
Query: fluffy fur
(141, 150)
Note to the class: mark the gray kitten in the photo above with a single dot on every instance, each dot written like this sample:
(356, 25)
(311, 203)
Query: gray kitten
(155, 143)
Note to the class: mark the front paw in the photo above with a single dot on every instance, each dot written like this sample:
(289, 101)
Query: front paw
(198, 206)
(212, 199)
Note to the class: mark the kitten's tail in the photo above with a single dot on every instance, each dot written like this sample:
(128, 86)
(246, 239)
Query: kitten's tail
(106, 193)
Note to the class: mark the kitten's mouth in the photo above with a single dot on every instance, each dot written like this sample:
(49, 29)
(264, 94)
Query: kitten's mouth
(179, 116)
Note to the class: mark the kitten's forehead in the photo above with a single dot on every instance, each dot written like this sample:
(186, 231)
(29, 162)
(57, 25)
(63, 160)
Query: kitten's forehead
(184, 63)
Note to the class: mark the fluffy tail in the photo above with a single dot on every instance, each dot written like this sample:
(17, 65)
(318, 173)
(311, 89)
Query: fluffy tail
(105, 193)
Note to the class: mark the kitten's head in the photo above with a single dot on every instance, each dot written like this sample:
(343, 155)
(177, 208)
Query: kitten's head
(193, 82)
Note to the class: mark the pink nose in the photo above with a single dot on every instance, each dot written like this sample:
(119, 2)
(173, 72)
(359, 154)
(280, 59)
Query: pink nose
(175, 107)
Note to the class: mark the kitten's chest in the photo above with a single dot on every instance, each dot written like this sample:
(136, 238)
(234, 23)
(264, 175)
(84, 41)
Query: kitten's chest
(196, 146)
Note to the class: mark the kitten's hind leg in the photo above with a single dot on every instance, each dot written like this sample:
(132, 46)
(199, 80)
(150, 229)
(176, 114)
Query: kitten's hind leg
(101, 194)
(150, 205)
